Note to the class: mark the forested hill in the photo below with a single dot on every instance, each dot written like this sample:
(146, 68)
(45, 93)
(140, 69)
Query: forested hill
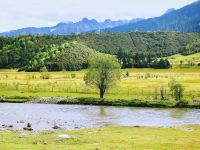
(153, 43)
(186, 19)
(33, 53)
(56, 53)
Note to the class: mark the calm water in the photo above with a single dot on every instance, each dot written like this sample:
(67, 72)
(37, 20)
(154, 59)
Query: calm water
(43, 117)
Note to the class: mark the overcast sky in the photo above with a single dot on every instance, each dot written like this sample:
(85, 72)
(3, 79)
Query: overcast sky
(28, 13)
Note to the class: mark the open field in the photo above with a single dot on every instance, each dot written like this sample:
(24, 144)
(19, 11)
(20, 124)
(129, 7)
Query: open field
(106, 138)
(141, 84)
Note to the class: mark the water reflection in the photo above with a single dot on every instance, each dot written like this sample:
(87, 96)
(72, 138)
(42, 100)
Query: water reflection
(102, 111)
(178, 113)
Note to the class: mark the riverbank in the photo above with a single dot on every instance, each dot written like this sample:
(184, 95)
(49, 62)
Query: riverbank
(104, 102)
(140, 138)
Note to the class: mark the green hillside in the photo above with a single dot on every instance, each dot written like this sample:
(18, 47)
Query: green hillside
(154, 43)
(179, 60)
(35, 53)
(72, 56)
(55, 53)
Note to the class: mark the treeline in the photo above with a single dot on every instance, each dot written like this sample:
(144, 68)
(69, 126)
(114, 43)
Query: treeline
(142, 61)
(191, 48)
(56, 53)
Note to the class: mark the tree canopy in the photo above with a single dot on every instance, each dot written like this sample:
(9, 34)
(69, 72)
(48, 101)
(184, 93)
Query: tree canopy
(103, 72)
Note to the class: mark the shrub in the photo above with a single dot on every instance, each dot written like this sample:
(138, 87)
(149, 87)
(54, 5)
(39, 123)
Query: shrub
(182, 103)
(162, 95)
(43, 69)
(176, 89)
(45, 76)
(127, 74)
(2, 98)
(73, 75)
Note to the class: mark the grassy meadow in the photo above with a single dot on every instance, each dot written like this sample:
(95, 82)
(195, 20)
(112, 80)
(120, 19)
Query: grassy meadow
(181, 61)
(117, 138)
(144, 84)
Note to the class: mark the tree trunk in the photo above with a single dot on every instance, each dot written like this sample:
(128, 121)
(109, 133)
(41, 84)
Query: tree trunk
(101, 93)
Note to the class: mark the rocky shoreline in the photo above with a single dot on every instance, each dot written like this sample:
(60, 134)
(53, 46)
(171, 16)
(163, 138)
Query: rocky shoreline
(52, 100)
(105, 102)
(46, 100)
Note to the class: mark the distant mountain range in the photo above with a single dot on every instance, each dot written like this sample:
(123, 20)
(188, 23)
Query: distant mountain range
(83, 26)
(169, 11)
(186, 19)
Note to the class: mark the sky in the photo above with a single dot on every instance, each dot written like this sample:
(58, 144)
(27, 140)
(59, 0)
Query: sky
(17, 14)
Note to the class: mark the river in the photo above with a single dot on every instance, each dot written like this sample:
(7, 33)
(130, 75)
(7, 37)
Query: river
(44, 116)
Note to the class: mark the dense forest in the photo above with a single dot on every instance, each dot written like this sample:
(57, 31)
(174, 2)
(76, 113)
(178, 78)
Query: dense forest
(159, 44)
(72, 52)
(32, 53)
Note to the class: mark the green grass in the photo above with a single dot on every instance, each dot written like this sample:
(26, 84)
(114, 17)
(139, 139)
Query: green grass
(141, 84)
(118, 138)
(179, 60)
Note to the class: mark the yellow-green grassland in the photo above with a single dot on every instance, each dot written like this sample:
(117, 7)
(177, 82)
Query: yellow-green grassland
(139, 84)
(118, 138)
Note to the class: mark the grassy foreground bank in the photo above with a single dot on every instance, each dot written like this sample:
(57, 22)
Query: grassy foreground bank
(118, 138)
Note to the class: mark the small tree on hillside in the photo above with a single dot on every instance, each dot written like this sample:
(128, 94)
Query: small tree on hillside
(103, 72)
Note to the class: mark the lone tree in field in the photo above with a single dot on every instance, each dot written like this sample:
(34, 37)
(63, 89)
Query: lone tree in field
(103, 72)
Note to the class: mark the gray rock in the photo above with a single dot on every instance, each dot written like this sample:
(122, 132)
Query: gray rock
(28, 128)
(65, 136)
(23, 135)
(56, 127)
(29, 125)
(21, 121)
